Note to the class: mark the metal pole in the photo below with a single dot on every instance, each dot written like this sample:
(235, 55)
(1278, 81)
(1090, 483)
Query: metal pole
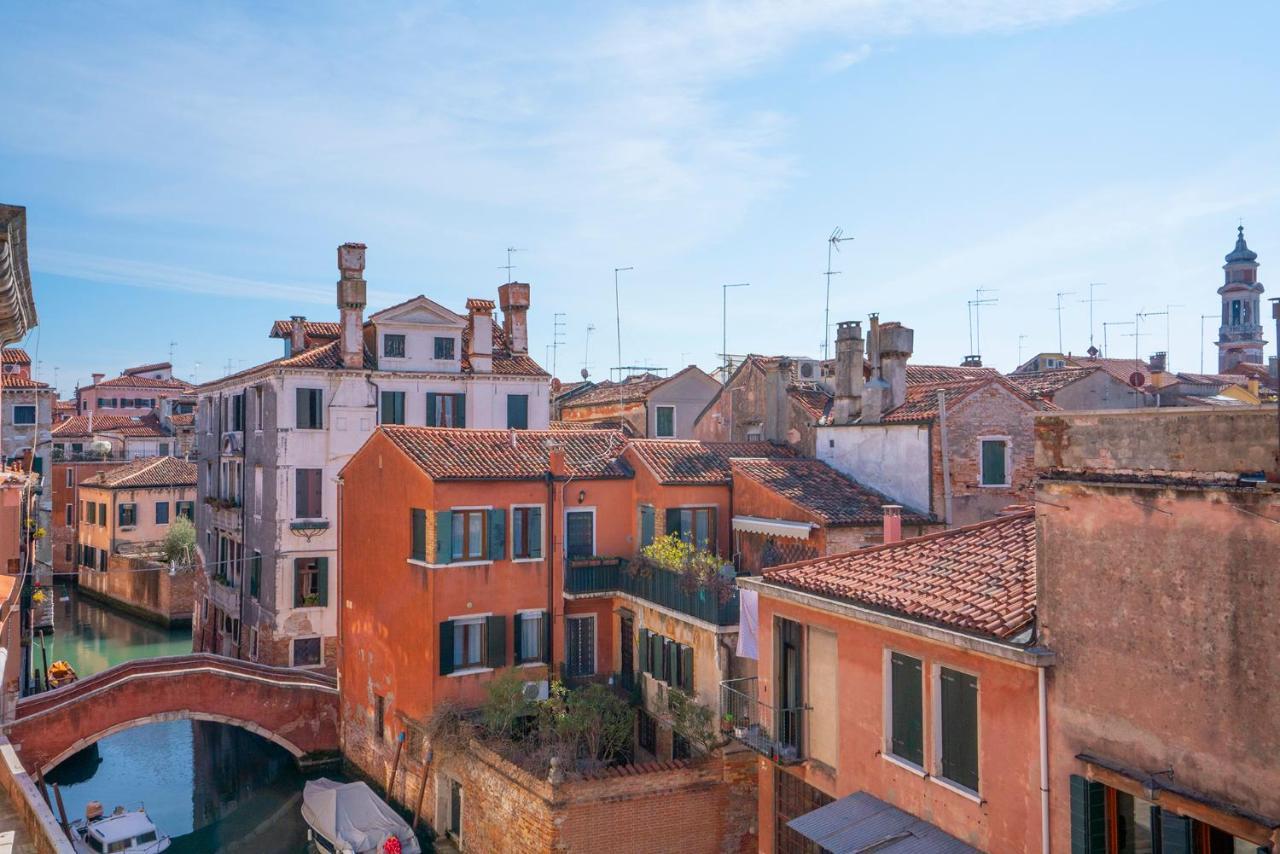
(724, 327)
(1203, 318)
(1275, 312)
(617, 312)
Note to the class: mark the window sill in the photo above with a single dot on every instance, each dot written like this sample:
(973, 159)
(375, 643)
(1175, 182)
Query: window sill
(527, 560)
(962, 791)
(471, 671)
(460, 563)
(309, 607)
(538, 663)
(905, 765)
(995, 486)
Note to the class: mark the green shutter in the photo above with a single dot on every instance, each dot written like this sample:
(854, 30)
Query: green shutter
(497, 534)
(907, 693)
(670, 661)
(459, 410)
(518, 653)
(301, 408)
(993, 453)
(535, 532)
(518, 411)
(960, 728)
(643, 646)
(655, 652)
(444, 536)
(1175, 833)
(431, 409)
(1088, 817)
(322, 564)
(446, 647)
(686, 668)
(673, 521)
(255, 575)
(418, 534)
(646, 525)
(495, 631)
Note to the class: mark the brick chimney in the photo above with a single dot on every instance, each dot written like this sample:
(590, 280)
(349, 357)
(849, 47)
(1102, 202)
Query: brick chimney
(297, 334)
(351, 303)
(480, 323)
(97, 378)
(892, 523)
(849, 378)
(896, 344)
(513, 298)
(876, 392)
(777, 375)
(1159, 362)
(556, 462)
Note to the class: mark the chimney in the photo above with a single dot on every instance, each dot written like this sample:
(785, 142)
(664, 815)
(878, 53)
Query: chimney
(513, 298)
(896, 344)
(480, 347)
(97, 378)
(297, 334)
(849, 378)
(1158, 361)
(777, 374)
(351, 303)
(555, 462)
(892, 523)
(876, 392)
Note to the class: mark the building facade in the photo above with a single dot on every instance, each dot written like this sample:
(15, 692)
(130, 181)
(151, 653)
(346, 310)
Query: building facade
(649, 405)
(136, 392)
(1240, 335)
(25, 426)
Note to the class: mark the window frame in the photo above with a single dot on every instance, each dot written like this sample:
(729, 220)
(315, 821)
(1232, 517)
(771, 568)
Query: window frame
(293, 648)
(1008, 468)
(23, 407)
(131, 508)
(459, 640)
(314, 409)
(657, 420)
(168, 517)
(524, 415)
(320, 573)
(460, 551)
(399, 338)
(595, 641)
(298, 494)
(565, 520)
(451, 349)
(887, 726)
(397, 398)
(525, 528)
(524, 659)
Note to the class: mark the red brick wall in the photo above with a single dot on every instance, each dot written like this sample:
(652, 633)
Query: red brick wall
(991, 411)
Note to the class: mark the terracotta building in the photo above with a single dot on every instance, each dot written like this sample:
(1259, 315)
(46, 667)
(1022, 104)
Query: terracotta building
(1158, 548)
(64, 528)
(652, 406)
(896, 705)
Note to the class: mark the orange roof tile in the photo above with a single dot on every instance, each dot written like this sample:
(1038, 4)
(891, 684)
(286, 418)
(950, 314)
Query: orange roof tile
(826, 493)
(149, 471)
(689, 461)
(445, 453)
(19, 381)
(15, 356)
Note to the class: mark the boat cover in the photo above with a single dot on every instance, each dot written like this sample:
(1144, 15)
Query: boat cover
(352, 813)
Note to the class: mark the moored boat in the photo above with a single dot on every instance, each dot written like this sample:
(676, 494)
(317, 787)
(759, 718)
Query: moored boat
(348, 818)
(122, 832)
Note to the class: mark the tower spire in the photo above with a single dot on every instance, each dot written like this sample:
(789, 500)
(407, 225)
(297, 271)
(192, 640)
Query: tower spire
(1240, 335)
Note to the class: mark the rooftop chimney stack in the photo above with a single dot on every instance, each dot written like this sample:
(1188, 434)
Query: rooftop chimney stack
(97, 378)
(892, 523)
(513, 298)
(351, 303)
(1159, 362)
(849, 377)
(876, 393)
(297, 334)
(896, 345)
(480, 323)
(777, 375)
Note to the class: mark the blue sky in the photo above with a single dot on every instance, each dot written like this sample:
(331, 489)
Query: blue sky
(189, 168)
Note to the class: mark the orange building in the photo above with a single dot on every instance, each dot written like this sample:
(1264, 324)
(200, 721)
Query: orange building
(898, 694)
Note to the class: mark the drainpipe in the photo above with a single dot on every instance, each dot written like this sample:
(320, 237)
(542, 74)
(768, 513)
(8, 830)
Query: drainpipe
(946, 459)
(1275, 312)
(337, 668)
(1044, 765)
(550, 546)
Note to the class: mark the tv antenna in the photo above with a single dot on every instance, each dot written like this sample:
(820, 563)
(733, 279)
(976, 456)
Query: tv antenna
(1203, 318)
(617, 307)
(509, 266)
(1091, 300)
(1021, 338)
(1106, 325)
(975, 319)
(1168, 336)
(1061, 294)
(586, 351)
(833, 242)
(557, 338)
(1137, 327)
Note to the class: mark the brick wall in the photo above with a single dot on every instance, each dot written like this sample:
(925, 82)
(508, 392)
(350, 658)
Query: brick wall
(990, 412)
(143, 587)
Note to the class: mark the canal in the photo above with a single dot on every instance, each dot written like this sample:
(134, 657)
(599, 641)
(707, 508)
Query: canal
(210, 786)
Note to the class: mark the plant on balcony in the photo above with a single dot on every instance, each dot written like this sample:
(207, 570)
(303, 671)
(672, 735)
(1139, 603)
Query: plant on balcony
(692, 720)
(697, 569)
(180, 542)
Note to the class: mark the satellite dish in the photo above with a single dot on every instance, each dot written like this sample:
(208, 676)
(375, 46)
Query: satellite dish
(584, 373)
(1137, 379)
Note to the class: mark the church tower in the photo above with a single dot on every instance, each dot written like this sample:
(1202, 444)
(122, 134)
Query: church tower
(1240, 335)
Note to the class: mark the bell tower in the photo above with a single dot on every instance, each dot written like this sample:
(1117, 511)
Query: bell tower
(1240, 335)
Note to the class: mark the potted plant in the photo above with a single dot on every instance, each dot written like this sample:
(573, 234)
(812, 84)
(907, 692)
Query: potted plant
(740, 727)
(310, 601)
(726, 723)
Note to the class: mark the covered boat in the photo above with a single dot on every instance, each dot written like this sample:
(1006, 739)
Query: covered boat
(122, 832)
(350, 819)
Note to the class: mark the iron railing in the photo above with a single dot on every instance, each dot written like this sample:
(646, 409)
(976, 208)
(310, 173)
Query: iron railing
(659, 586)
(774, 732)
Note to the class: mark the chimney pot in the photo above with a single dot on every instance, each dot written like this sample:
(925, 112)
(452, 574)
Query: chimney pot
(849, 376)
(556, 462)
(97, 378)
(351, 303)
(513, 298)
(480, 346)
(1159, 362)
(297, 334)
(892, 522)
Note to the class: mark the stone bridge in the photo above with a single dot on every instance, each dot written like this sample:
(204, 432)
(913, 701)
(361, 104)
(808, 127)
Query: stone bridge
(296, 709)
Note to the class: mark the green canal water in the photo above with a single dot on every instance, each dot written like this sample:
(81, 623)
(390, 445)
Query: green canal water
(209, 786)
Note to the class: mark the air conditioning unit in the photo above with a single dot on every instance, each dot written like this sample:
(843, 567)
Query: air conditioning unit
(536, 690)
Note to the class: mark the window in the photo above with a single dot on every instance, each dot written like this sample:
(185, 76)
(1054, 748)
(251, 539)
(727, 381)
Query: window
(473, 642)
(469, 535)
(24, 415)
(71, 472)
(580, 533)
(906, 708)
(468, 643)
(994, 454)
(469, 530)
(93, 513)
(680, 748)
(695, 525)
(308, 505)
(530, 636)
(1109, 821)
(646, 525)
(518, 411)
(1235, 312)
(648, 735)
(417, 534)
(665, 422)
(69, 556)
(379, 717)
(255, 574)
(307, 652)
(102, 513)
(444, 348)
(257, 415)
(392, 409)
(237, 412)
(70, 515)
(310, 582)
(684, 668)
(526, 533)
(580, 645)
(958, 723)
(186, 508)
(162, 512)
(309, 411)
(393, 346)
(128, 515)
(446, 410)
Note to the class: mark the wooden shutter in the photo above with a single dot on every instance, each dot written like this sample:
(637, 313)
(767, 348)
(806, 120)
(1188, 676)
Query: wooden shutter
(960, 728)
(645, 664)
(444, 536)
(659, 660)
(534, 534)
(497, 520)
(459, 411)
(518, 411)
(322, 567)
(302, 407)
(297, 581)
(993, 453)
(1088, 817)
(417, 534)
(495, 632)
(669, 661)
(1175, 833)
(516, 635)
(646, 525)
(907, 692)
(431, 409)
(446, 647)
(546, 637)
(686, 668)
(255, 575)
(673, 521)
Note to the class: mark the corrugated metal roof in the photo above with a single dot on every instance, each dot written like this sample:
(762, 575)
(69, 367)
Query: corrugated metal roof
(863, 823)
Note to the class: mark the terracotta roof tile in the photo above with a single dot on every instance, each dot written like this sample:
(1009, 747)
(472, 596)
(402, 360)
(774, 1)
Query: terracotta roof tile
(183, 419)
(815, 401)
(826, 493)
(1049, 383)
(980, 578)
(317, 330)
(149, 471)
(504, 361)
(454, 454)
(630, 390)
(19, 381)
(130, 381)
(917, 374)
(131, 425)
(1121, 369)
(616, 424)
(142, 369)
(921, 403)
(689, 461)
(15, 356)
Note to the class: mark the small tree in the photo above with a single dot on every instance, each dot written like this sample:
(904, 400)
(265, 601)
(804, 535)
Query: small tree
(506, 710)
(180, 542)
(697, 569)
(692, 720)
(602, 722)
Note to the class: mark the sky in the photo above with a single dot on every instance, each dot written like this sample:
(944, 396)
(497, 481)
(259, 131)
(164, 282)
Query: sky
(189, 169)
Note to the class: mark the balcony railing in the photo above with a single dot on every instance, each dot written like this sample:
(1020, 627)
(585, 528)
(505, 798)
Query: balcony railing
(769, 730)
(659, 586)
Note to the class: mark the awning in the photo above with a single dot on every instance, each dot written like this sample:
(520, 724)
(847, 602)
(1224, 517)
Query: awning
(773, 527)
(860, 824)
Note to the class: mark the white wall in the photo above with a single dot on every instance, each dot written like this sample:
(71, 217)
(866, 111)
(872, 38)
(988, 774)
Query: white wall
(891, 458)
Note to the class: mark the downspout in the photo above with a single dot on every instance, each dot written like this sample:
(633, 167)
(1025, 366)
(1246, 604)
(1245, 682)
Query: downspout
(551, 573)
(1044, 764)
(946, 460)
(337, 670)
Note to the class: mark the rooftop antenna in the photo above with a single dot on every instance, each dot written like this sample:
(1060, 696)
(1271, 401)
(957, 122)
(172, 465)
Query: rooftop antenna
(1021, 338)
(1091, 300)
(1106, 324)
(1168, 336)
(1203, 318)
(833, 242)
(172, 345)
(975, 320)
(557, 338)
(509, 266)
(1137, 333)
(195, 374)
(724, 328)
(1061, 294)
(229, 364)
(586, 351)
(617, 308)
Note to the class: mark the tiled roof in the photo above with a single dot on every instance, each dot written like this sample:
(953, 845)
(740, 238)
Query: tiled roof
(689, 461)
(1212, 379)
(64, 406)
(316, 330)
(130, 381)
(19, 381)
(630, 390)
(478, 304)
(452, 454)
(567, 388)
(820, 489)
(15, 356)
(130, 425)
(980, 578)
(142, 369)
(183, 419)
(149, 471)
(921, 402)
(504, 361)
(917, 374)
(606, 424)
(1121, 369)
(815, 401)
(1049, 383)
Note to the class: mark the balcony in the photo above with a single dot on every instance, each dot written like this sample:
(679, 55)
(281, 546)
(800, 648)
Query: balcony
(659, 586)
(768, 730)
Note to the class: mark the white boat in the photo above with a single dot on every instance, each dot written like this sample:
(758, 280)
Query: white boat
(348, 818)
(122, 832)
